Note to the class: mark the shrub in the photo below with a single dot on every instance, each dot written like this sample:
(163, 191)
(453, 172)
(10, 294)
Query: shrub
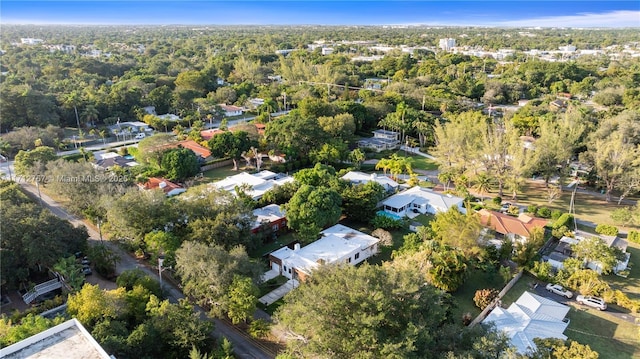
(543, 212)
(259, 328)
(563, 221)
(386, 239)
(533, 209)
(634, 236)
(466, 319)
(607, 230)
(386, 222)
(514, 210)
(559, 232)
(555, 214)
(543, 271)
(484, 297)
(497, 200)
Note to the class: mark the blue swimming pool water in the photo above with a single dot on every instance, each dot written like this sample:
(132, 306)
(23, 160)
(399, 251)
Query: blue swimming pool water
(129, 157)
(390, 215)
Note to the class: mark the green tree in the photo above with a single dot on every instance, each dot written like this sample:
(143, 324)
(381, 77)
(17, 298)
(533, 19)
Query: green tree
(311, 209)
(362, 312)
(357, 157)
(207, 273)
(137, 277)
(458, 230)
(361, 201)
(91, 305)
(230, 144)
(180, 164)
(71, 271)
(137, 213)
(242, 299)
(180, 327)
(25, 160)
(593, 249)
(31, 324)
(552, 348)
(614, 149)
(339, 126)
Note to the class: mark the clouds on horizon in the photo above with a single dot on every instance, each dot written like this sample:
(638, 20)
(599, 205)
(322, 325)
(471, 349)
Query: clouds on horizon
(618, 18)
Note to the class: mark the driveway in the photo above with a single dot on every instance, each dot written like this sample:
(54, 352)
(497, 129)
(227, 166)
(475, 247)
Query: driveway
(542, 291)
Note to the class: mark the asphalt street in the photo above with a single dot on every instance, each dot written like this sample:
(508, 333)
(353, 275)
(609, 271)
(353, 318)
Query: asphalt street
(243, 346)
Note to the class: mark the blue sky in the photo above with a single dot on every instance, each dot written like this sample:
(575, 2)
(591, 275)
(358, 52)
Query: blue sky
(457, 13)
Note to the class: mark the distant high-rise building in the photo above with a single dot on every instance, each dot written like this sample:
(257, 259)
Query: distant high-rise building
(447, 44)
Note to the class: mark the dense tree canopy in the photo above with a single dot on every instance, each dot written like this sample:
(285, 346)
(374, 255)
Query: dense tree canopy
(370, 312)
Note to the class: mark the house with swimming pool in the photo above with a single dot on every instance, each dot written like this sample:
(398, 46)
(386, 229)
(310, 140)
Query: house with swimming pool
(418, 200)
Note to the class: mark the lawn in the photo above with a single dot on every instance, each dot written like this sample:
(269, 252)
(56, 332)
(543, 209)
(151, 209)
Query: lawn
(476, 279)
(525, 283)
(419, 162)
(267, 248)
(220, 173)
(610, 336)
(589, 208)
(631, 284)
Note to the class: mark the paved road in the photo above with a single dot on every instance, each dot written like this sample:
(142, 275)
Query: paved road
(243, 347)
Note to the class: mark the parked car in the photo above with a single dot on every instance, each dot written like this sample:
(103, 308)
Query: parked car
(86, 270)
(505, 207)
(557, 289)
(595, 302)
(140, 136)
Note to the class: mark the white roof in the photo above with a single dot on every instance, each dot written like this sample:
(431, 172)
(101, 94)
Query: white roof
(270, 213)
(441, 202)
(531, 316)
(260, 182)
(103, 155)
(361, 177)
(69, 340)
(336, 242)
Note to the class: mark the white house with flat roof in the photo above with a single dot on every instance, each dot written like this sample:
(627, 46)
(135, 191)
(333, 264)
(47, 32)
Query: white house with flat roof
(381, 140)
(255, 184)
(69, 340)
(421, 200)
(357, 177)
(338, 244)
(531, 316)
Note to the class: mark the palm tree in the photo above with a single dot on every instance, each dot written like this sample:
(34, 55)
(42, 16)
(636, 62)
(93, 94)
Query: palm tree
(482, 184)
(89, 114)
(514, 184)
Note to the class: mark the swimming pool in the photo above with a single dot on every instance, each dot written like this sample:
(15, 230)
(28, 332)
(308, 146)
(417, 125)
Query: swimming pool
(390, 215)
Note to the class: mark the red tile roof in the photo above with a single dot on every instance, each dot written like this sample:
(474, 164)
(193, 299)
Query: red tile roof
(208, 134)
(506, 224)
(192, 145)
(156, 182)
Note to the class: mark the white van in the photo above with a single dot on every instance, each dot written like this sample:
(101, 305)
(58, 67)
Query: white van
(140, 136)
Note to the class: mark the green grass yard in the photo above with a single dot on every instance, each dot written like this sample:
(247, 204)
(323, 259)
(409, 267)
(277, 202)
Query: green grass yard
(476, 279)
(587, 207)
(610, 336)
(631, 284)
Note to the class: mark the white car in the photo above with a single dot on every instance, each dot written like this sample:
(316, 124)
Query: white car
(594, 302)
(140, 136)
(557, 289)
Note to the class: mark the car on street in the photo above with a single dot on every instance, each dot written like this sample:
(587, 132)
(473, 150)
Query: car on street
(86, 270)
(505, 207)
(559, 290)
(595, 302)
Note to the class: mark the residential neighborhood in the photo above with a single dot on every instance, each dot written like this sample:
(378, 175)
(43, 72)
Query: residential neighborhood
(329, 191)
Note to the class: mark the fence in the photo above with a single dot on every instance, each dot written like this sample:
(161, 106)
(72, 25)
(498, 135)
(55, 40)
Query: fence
(218, 164)
(497, 300)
